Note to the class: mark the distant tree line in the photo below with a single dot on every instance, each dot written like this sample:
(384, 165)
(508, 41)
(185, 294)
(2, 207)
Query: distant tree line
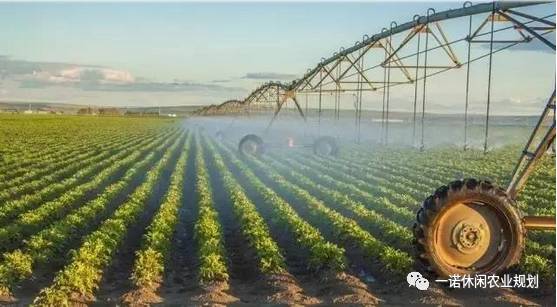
(100, 111)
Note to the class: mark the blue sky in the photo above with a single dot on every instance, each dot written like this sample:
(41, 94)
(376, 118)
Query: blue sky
(193, 40)
(214, 47)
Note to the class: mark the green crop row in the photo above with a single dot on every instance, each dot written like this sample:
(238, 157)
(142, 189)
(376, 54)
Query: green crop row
(208, 230)
(368, 183)
(55, 172)
(52, 241)
(50, 167)
(43, 157)
(33, 139)
(83, 273)
(151, 258)
(76, 184)
(32, 221)
(34, 143)
(390, 232)
(270, 259)
(393, 260)
(323, 255)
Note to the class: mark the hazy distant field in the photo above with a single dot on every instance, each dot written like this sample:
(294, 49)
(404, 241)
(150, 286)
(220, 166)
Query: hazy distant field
(446, 130)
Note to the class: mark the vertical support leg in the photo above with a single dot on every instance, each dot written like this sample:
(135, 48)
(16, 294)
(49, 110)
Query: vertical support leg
(554, 120)
(278, 96)
(467, 97)
(388, 96)
(422, 145)
(355, 111)
(336, 103)
(360, 101)
(338, 111)
(299, 108)
(307, 114)
(277, 111)
(307, 103)
(489, 80)
(320, 98)
(385, 86)
(337, 94)
(356, 107)
(416, 91)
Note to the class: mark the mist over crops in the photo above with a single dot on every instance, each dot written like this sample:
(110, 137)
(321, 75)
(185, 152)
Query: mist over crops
(439, 130)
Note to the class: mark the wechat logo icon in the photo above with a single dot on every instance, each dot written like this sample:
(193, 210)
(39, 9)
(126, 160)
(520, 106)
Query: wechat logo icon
(415, 279)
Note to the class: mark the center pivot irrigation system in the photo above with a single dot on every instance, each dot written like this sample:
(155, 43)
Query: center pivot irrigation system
(468, 226)
(277, 95)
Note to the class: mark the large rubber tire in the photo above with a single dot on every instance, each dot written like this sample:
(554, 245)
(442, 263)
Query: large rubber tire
(325, 146)
(251, 144)
(465, 201)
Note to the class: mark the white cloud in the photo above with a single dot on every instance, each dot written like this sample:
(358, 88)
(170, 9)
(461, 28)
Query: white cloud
(79, 74)
(113, 75)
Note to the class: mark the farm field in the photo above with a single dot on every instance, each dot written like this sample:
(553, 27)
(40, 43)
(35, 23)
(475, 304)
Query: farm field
(142, 211)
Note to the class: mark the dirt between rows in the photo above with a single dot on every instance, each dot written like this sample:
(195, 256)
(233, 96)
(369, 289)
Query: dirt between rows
(346, 290)
(342, 289)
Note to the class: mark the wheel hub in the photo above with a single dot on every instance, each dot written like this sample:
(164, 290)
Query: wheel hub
(250, 147)
(467, 236)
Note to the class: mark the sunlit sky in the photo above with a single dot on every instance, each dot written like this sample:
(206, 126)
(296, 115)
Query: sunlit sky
(57, 52)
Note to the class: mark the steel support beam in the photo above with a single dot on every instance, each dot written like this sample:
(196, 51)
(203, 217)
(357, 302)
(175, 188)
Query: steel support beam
(528, 159)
